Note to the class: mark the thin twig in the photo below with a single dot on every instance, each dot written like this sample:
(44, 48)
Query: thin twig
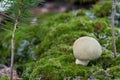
(13, 44)
(13, 48)
(106, 50)
(113, 31)
(2, 26)
(5, 15)
(4, 66)
(5, 29)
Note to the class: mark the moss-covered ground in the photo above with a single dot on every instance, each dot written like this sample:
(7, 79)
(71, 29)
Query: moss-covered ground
(44, 50)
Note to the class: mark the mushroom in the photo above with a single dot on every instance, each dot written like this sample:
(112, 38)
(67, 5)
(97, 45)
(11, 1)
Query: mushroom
(86, 49)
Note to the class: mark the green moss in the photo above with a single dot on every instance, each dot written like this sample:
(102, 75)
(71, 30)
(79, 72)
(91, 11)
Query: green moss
(63, 65)
(58, 68)
(103, 9)
(114, 71)
(51, 42)
(117, 44)
(4, 78)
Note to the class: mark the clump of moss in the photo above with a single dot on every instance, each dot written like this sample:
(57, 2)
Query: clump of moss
(114, 71)
(117, 43)
(4, 78)
(58, 68)
(55, 48)
(51, 43)
(102, 9)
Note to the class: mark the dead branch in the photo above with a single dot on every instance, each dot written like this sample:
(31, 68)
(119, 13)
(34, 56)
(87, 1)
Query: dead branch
(13, 42)
(5, 15)
(4, 66)
(12, 49)
(109, 51)
(106, 50)
(113, 31)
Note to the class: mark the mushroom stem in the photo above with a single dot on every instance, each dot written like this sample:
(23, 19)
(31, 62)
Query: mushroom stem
(82, 62)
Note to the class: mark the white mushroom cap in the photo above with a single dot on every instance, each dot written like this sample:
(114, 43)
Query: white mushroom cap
(85, 49)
